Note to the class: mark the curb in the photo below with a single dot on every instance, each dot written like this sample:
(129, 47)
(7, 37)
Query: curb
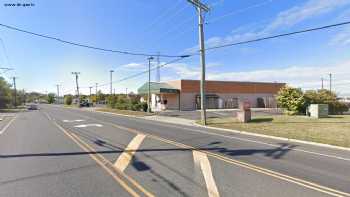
(276, 138)
(236, 131)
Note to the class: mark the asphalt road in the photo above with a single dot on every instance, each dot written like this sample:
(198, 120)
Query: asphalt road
(57, 151)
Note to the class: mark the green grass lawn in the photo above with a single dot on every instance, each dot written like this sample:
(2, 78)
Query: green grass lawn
(19, 109)
(334, 130)
(124, 112)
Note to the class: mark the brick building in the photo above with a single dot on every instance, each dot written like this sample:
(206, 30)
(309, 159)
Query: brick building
(185, 94)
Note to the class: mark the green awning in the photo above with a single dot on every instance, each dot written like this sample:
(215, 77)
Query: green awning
(157, 88)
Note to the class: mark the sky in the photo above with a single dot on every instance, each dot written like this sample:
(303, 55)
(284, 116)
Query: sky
(171, 27)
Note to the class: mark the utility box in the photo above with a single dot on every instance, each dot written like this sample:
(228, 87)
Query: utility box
(318, 110)
(244, 115)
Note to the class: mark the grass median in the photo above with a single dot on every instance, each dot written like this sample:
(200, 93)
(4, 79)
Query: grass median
(334, 130)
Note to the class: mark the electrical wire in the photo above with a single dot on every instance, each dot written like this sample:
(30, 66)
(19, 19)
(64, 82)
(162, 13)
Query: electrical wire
(86, 46)
(132, 76)
(5, 51)
(279, 35)
(234, 12)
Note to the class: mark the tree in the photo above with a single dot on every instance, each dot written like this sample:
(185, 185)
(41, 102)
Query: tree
(292, 99)
(5, 94)
(68, 99)
(51, 98)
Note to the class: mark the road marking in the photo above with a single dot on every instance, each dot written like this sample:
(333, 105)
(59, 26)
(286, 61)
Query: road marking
(232, 137)
(201, 161)
(257, 142)
(125, 158)
(103, 162)
(301, 182)
(8, 125)
(88, 125)
(73, 120)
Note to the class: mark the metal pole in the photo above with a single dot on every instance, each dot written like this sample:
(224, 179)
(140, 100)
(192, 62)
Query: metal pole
(58, 93)
(330, 82)
(202, 60)
(76, 81)
(90, 91)
(322, 82)
(111, 78)
(149, 85)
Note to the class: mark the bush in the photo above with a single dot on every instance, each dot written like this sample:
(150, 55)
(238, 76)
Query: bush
(5, 94)
(144, 106)
(326, 97)
(338, 108)
(122, 102)
(51, 98)
(112, 101)
(68, 99)
(292, 99)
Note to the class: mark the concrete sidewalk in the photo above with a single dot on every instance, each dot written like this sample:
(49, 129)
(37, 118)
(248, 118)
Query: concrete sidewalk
(173, 120)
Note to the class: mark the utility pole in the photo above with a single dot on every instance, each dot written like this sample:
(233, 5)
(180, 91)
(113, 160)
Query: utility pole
(201, 8)
(158, 69)
(90, 91)
(111, 78)
(58, 93)
(321, 83)
(96, 84)
(15, 91)
(76, 81)
(330, 82)
(149, 85)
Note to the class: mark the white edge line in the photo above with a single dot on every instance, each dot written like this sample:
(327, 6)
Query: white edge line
(8, 125)
(246, 133)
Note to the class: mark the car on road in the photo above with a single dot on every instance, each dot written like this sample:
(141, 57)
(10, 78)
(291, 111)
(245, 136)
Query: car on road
(32, 107)
(85, 103)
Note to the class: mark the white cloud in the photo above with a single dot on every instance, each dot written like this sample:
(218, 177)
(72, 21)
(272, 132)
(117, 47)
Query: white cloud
(342, 38)
(184, 71)
(307, 77)
(311, 8)
(133, 65)
(287, 18)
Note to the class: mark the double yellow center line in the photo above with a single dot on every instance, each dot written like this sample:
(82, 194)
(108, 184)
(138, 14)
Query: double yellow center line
(300, 182)
(128, 183)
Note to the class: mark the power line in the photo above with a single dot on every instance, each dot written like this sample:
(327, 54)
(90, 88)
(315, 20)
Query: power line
(5, 51)
(146, 71)
(84, 45)
(278, 35)
(133, 75)
(160, 16)
(234, 12)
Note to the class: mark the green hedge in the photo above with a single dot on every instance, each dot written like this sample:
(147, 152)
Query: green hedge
(126, 103)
